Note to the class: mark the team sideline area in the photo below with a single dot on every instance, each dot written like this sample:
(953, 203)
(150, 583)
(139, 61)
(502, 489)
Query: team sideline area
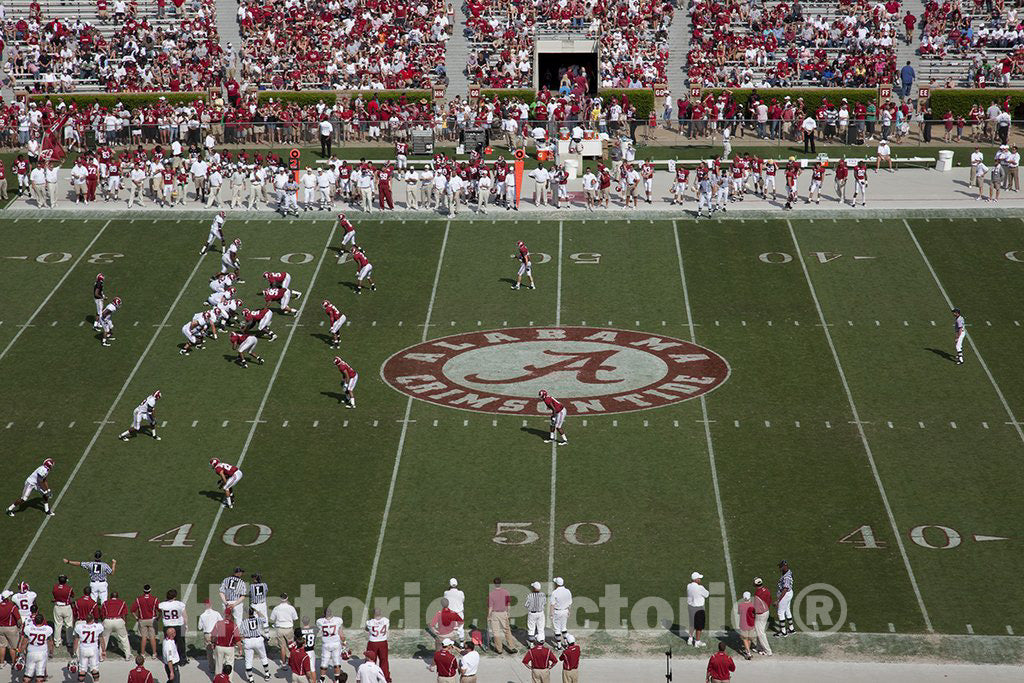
(621, 401)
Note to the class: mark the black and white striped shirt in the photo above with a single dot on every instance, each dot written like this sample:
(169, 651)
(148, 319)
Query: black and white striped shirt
(233, 588)
(252, 627)
(257, 594)
(535, 602)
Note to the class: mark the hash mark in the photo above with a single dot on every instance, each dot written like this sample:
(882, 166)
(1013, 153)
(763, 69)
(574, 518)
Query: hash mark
(984, 425)
(906, 324)
(224, 423)
(79, 324)
(989, 323)
(194, 423)
(716, 323)
(892, 629)
(72, 425)
(850, 322)
(952, 424)
(970, 629)
(797, 423)
(316, 423)
(285, 423)
(828, 425)
(54, 323)
(675, 423)
(920, 424)
(40, 425)
(796, 323)
(878, 324)
(375, 423)
(743, 322)
(933, 323)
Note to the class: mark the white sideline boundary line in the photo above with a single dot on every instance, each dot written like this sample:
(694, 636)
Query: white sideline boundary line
(402, 435)
(970, 338)
(863, 436)
(554, 444)
(263, 404)
(103, 423)
(707, 426)
(53, 291)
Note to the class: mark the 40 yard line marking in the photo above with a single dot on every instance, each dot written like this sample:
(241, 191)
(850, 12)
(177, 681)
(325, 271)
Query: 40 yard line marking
(53, 291)
(970, 339)
(860, 431)
(402, 434)
(263, 404)
(103, 423)
(554, 444)
(707, 423)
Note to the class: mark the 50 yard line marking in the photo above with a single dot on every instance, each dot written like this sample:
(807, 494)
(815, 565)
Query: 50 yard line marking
(863, 436)
(402, 435)
(554, 443)
(263, 404)
(970, 339)
(53, 291)
(707, 424)
(103, 423)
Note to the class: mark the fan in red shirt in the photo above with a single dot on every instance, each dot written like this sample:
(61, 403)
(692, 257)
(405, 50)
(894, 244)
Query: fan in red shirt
(298, 662)
(539, 658)
(445, 661)
(349, 377)
(720, 666)
(557, 417)
(140, 674)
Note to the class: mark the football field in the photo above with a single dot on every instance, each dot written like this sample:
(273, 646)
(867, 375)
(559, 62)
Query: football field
(739, 392)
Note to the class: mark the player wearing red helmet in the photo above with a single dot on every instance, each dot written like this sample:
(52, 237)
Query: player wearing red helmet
(557, 417)
(37, 481)
(348, 240)
(349, 377)
(525, 265)
(364, 270)
(216, 233)
(97, 295)
(337, 320)
(244, 344)
(143, 418)
(227, 476)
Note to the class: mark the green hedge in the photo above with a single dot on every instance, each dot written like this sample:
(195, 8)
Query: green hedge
(960, 100)
(812, 96)
(641, 100)
(130, 100)
(308, 97)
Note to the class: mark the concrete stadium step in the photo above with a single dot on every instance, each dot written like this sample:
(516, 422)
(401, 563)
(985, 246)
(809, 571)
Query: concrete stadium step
(455, 56)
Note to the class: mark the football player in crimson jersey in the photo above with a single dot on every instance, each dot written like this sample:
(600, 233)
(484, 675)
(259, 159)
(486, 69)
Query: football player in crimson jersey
(349, 239)
(364, 271)
(258, 321)
(37, 481)
(349, 377)
(281, 280)
(282, 296)
(244, 344)
(525, 265)
(337, 319)
(227, 476)
(557, 417)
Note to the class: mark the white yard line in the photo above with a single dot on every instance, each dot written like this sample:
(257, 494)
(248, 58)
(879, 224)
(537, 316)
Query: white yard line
(897, 534)
(103, 423)
(554, 443)
(707, 426)
(402, 435)
(53, 291)
(970, 338)
(263, 404)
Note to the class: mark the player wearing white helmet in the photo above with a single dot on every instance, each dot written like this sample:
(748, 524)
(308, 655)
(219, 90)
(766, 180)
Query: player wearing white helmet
(225, 311)
(216, 298)
(98, 299)
(221, 281)
(229, 260)
(337, 320)
(228, 476)
(107, 321)
(193, 332)
(143, 416)
(258, 321)
(37, 481)
(23, 601)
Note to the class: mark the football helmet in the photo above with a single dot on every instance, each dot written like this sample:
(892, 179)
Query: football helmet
(117, 301)
(245, 312)
(327, 304)
(214, 462)
(99, 277)
(266, 275)
(238, 241)
(221, 214)
(72, 667)
(48, 463)
(338, 360)
(542, 394)
(520, 244)
(157, 394)
(23, 587)
(19, 664)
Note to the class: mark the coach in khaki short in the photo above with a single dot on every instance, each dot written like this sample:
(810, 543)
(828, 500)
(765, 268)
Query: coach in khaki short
(497, 619)
(283, 618)
(8, 625)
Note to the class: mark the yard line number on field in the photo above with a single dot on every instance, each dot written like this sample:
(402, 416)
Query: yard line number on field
(263, 404)
(104, 422)
(860, 431)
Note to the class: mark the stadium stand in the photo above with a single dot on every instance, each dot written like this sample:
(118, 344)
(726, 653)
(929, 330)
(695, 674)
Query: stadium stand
(974, 44)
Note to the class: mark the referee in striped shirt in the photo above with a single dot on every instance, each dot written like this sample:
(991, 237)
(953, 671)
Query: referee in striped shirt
(254, 644)
(535, 604)
(232, 593)
(258, 598)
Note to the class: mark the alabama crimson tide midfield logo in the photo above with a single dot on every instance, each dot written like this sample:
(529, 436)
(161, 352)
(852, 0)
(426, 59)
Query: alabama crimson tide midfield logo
(592, 370)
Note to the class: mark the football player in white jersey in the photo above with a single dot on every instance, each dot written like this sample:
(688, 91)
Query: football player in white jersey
(37, 481)
(88, 647)
(959, 332)
(23, 600)
(226, 311)
(144, 413)
(107, 321)
(216, 298)
(221, 281)
(332, 638)
(37, 643)
(216, 233)
(229, 260)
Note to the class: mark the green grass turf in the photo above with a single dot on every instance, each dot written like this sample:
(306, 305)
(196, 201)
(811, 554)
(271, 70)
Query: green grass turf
(794, 476)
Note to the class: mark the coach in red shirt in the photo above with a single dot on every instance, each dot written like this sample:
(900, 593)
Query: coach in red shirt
(540, 660)
(298, 662)
(114, 611)
(720, 666)
(140, 674)
(225, 638)
(10, 627)
(570, 659)
(85, 605)
(144, 610)
(446, 663)
(62, 615)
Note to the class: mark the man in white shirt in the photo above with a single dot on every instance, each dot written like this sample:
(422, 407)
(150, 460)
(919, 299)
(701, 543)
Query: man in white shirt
(199, 171)
(560, 603)
(1012, 164)
(282, 619)
(440, 191)
(207, 621)
(976, 158)
(455, 188)
(173, 617)
(135, 190)
(589, 188)
(808, 127)
(541, 179)
(326, 135)
(369, 671)
(883, 154)
(470, 664)
(37, 178)
(457, 603)
(78, 176)
(51, 184)
(216, 180)
(412, 189)
(308, 182)
(325, 180)
(171, 656)
(696, 598)
(365, 186)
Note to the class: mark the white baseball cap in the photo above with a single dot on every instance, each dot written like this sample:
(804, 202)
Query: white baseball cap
(453, 583)
(570, 638)
(696, 575)
(746, 595)
(5, 595)
(559, 581)
(446, 642)
(535, 585)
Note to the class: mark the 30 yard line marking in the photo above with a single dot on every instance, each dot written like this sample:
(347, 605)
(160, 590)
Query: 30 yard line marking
(860, 431)
(99, 429)
(554, 444)
(263, 404)
(53, 291)
(402, 434)
(707, 425)
(970, 339)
